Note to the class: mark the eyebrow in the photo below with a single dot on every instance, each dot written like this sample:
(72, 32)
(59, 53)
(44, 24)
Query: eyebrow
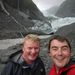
(65, 46)
(61, 46)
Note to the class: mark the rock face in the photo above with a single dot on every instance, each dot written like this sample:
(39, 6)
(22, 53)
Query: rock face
(27, 7)
(16, 17)
(67, 9)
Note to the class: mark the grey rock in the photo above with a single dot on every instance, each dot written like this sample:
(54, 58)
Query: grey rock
(67, 9)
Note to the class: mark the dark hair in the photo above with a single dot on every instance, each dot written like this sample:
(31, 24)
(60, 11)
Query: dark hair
(59, 38)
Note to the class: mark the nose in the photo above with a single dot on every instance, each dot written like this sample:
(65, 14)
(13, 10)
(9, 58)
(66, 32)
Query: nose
(33, 50)
(59, 52)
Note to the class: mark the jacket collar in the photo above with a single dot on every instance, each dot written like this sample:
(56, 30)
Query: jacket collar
(19, 60)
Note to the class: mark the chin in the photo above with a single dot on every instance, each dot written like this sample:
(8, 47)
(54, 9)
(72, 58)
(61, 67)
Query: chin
(32, 59)
(60, 65)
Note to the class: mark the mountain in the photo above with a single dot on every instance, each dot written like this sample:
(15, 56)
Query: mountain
(16, 18)
(26, 6)
(51, 11)
(67, 9)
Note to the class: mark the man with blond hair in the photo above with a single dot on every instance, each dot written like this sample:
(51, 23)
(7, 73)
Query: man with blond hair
(28, 61)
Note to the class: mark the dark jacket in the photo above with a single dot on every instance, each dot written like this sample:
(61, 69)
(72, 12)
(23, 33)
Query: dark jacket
(17, 66)
(69, 69)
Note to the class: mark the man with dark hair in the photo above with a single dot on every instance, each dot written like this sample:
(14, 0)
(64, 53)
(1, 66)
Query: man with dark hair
(28, 61)
(60, 53)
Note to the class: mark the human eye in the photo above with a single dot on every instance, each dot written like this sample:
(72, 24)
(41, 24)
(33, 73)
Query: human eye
(54, 48)
(36, 48)
(65, 48)
(29, 48)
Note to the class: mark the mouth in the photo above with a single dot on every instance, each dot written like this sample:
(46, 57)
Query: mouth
(60, 59)
(33, 56)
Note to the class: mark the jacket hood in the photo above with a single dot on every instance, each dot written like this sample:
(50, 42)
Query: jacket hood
(15, 56)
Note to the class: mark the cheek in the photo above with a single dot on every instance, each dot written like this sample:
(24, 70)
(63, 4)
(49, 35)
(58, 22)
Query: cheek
(67, 54)
(51, 54)
(25, 51)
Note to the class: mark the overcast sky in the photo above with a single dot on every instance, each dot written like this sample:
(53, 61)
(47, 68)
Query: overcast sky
(46, 4)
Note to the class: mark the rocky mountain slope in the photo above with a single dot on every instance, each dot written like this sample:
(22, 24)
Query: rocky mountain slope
(16, 18)
(67, 9)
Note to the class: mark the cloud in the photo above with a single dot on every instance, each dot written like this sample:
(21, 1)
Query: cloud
(46, 4)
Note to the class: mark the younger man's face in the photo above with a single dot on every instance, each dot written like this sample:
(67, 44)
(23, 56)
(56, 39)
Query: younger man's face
(60, 53)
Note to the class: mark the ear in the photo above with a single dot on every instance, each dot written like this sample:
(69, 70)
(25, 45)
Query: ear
(72, 54)
(49, 53)
(23, 48)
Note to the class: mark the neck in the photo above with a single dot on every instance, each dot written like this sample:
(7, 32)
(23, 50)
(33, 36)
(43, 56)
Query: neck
(57, 70)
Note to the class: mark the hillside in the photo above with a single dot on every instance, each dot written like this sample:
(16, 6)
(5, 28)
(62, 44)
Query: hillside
(67, 9)
(16, 18)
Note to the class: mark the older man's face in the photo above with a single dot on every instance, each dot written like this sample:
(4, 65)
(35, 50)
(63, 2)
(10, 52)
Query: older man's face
(31, 50)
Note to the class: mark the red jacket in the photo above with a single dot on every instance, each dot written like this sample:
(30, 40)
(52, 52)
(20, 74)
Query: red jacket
(69, 68)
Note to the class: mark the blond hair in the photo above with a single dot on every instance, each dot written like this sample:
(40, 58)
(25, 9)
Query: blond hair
(33, 37)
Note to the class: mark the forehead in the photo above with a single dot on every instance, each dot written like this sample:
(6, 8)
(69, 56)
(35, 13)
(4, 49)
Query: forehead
(30, 41)
(57, 42)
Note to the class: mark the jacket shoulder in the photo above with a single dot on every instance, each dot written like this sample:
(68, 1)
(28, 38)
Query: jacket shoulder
(71, 71)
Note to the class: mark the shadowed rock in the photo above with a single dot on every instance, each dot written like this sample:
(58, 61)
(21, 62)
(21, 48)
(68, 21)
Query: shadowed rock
(16, 18)
(27, 7)
(67, 9)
